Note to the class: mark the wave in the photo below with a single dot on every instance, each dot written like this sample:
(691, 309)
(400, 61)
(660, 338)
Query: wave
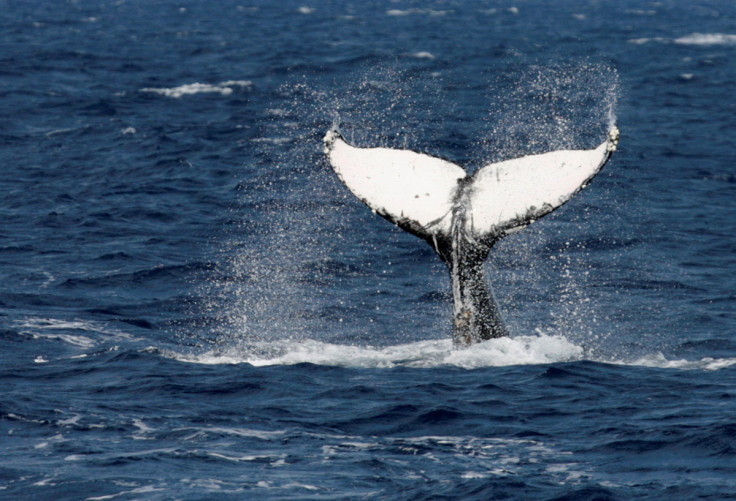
(522, 350)
(223, 88)
(142, 277)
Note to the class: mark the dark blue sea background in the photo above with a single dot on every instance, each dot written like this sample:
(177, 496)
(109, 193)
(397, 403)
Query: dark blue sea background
(192, 306)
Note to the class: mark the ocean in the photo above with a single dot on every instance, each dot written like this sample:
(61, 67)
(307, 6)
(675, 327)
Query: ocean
(192, 306)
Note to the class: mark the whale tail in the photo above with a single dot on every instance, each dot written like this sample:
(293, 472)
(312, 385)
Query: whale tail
(462, 216)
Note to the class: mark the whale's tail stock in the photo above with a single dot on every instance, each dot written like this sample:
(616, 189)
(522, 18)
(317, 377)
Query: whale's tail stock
(462, 216)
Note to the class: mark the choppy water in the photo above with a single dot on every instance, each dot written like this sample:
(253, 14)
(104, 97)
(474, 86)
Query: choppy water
(193, 307)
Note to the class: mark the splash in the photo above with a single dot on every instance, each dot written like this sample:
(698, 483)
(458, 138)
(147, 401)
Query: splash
(294, 267)
(309, 265)
(550, 107)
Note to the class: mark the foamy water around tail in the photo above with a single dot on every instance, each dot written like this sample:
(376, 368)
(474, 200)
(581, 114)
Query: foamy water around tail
(509, 351)
(424, 354)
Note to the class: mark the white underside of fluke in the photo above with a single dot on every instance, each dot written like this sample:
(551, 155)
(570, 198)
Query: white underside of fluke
(419, 192)
(400, 185)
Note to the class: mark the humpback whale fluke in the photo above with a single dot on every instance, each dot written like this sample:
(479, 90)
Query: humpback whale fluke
(463, 216)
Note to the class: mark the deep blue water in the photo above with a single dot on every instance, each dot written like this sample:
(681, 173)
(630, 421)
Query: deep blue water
(193, 307)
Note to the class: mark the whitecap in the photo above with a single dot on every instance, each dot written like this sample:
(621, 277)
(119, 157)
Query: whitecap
(198, 431)
(56, 439)
(473, 475)
(431, 12)
(81, 341)
(142, 430)
(706, 39)
(51, 328)
(223, 88)
(246, 457)
(48, 481)
(63, 130)
(188, 89)
(140, 490)
(236, 83)
(308, 487)
(271, 140)
(305, 10)
(658, 360)
(423, 55)
(641, 12)
(70, 421)
(642, 41)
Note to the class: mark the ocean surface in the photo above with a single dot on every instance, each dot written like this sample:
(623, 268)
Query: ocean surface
(192, 306)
